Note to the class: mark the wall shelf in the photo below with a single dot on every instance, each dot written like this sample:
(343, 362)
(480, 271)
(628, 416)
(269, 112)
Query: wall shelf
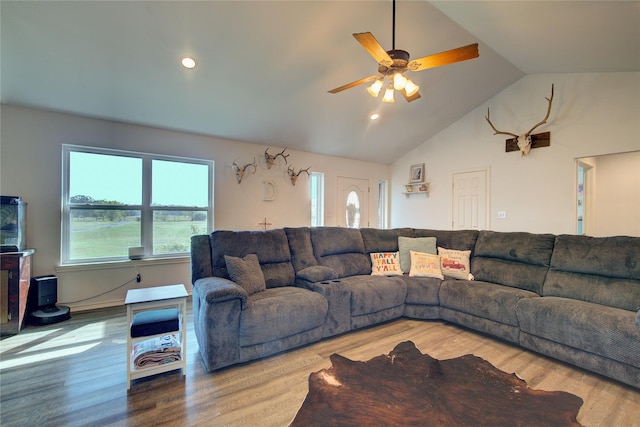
(416, 188)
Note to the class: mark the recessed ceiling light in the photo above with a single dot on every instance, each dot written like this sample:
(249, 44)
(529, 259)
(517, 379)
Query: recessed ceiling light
(374, 116)
(188, 62)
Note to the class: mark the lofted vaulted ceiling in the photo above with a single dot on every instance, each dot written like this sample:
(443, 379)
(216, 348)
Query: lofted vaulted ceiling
(264, 67)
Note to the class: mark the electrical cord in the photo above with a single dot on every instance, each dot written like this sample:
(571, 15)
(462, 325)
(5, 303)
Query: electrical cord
(135, 279)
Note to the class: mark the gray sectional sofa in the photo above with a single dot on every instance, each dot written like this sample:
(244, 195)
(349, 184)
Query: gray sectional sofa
(573, 298)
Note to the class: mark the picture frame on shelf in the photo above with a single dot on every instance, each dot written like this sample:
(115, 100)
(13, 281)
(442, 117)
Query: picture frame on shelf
(416, 173)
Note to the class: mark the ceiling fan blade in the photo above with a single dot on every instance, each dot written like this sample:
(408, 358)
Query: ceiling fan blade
(356, 83)
(412, 97)
(373, 47)
(444, 58)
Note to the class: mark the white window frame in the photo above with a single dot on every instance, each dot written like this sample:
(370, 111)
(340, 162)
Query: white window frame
(317, 198)
(146, 209)
(383, 204)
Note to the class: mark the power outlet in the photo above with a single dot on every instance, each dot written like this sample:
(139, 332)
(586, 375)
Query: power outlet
(502, 214)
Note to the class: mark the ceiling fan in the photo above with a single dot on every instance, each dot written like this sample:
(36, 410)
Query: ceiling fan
(395, 62)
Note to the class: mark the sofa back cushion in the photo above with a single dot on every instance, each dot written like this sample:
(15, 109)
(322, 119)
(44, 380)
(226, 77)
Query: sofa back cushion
(516, 259)
(271, 247)
(341, 249)
(301, 248)
(602, 270)
(200, 257)
(377, 240)
(462, 240)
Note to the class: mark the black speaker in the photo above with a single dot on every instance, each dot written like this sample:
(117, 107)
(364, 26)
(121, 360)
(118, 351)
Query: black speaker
(43, 295)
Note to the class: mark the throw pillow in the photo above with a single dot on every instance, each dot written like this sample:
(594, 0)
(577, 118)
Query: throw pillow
(425, 265)
(317, 273)
(246, 272)
(455, 264)
(417, 244)
(385, 264)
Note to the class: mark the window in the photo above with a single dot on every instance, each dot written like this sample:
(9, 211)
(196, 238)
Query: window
(383, 211)
(113, 200)
(317, 199)
(352, 212)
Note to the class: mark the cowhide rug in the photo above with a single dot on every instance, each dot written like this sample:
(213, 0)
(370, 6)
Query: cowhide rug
(408, 388)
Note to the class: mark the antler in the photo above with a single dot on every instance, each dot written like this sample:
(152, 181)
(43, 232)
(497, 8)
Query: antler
(496, 131)
(294, 175)
(548, 112)
(272, 158)
(239, 170)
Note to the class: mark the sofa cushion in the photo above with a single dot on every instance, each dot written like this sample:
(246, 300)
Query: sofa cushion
(246, 272)
(372, 294)
(455, 264)
(422, 290)
(425, 265)
(593, 328)
(341, 249)
(317, 273)
(617, 256)
(515, 259)
(301, 248)
(385, 264)
(484, 300)
(418, 244)
(602, 270)
(279, 313)
(463, 240)
(614, 292)
(377, 240)
(271, 247)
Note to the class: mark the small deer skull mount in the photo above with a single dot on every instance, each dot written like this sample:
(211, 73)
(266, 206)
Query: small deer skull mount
(524, 140)
(294, 175)
(240, 170)
(271, 158)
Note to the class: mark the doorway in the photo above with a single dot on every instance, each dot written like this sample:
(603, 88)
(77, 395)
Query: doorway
(585, 201)
(353, 203)
(469, 198)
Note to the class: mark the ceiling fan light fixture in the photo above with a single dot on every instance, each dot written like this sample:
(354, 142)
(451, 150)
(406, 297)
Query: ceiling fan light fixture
(411, 88)
(388, 95)
(399, 81)
(374, 89)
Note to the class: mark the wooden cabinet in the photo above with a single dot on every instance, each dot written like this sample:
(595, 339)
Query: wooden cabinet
(14, 290)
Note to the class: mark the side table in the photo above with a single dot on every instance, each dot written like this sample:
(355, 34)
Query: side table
(156, 299)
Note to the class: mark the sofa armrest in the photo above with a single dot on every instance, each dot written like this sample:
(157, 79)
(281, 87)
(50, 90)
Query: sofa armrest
(317, 273)
(218, 289)
(217, 307)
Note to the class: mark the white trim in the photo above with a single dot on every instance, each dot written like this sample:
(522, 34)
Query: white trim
(146, 209)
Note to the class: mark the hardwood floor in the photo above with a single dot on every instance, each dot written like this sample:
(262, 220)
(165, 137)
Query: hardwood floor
(74, 374)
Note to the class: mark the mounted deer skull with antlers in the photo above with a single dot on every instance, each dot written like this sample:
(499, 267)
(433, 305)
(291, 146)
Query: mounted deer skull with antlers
(523, 140)
(239, 170)
(270, 158)
(294, 175)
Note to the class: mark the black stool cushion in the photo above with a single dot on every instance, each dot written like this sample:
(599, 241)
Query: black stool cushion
(155, 322)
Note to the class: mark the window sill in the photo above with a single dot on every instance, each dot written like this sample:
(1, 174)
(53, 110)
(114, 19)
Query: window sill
(121, 264)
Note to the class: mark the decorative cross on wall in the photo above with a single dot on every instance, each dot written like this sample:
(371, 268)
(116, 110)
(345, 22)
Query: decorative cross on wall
(264, 224)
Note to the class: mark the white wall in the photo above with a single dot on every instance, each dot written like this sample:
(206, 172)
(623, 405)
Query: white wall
(592, 114)
(31, 158)
(617, 204)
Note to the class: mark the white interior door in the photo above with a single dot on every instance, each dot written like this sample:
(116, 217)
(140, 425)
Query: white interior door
(470, 204)
(353, 204)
